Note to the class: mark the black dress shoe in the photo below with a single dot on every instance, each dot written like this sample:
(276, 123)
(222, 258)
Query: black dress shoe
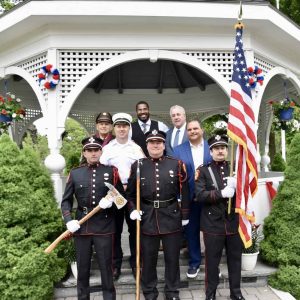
(116, 273)
(211, 296)
(233, 297)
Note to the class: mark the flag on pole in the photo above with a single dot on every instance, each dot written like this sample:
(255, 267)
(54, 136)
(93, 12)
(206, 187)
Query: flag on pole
(242, 130)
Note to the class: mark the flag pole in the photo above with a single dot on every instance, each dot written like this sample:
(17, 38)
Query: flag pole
(138, 229)
(240, 18)
(231, 173)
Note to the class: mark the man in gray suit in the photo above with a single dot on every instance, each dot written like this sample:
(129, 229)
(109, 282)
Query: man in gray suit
(176, 135)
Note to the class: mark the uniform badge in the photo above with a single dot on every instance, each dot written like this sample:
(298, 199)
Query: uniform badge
(92, 140)
(171, 172)
(218, 137)
(154, 132)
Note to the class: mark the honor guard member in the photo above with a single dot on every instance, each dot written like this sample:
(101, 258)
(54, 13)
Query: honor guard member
(86, 183)
(122, 152)
(213, 188)
(104, 128)
(162, 180)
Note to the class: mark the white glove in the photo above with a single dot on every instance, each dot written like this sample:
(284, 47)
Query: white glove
(105, 203)
(227, 192)
(185, 222)
(110, 196)
(73, 225)
(135, 215)
(231, 182)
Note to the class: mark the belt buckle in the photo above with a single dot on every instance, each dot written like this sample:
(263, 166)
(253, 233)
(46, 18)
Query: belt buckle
(156, 203)
(85, 210)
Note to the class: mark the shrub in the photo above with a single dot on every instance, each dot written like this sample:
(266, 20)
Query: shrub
(278, 163)
(29, 220)
(281, 245)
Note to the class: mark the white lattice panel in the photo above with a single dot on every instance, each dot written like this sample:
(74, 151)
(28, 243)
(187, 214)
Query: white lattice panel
(33, 67)
(220, 61)
(75, 64)
(264, 64)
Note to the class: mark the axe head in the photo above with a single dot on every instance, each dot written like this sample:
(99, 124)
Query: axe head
(119, 200)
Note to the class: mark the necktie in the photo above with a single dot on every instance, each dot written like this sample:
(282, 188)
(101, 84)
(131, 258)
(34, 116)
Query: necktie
(144, 127)
(176, 140)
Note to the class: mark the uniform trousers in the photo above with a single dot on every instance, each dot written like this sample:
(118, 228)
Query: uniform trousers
(214, 245)
(192, 234)
(118, 253)
(84, 250)
(150, 248)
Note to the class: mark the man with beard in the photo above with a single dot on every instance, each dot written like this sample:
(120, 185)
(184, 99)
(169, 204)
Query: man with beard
(144, 124)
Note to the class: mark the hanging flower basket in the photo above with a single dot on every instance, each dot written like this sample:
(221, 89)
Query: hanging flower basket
(286, 114)
(10, 110)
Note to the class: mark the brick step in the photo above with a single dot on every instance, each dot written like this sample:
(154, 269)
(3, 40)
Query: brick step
(126, 283)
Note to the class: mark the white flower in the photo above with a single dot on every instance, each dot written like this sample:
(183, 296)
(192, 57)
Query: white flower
(14, 115)
(12, 96)
(18, 100)
(21, 116)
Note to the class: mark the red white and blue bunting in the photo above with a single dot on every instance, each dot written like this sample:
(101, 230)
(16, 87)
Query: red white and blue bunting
(255, 76)
(49, 77)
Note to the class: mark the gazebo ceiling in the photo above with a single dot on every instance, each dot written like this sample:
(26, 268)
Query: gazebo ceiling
(143, 74)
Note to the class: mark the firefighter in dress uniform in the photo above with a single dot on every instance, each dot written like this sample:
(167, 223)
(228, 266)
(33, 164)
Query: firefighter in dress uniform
(214, 187)
(162, 180)
(86, 183)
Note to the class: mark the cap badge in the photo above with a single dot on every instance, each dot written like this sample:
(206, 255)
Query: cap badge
(104, 114)
(154, 132)
(217, 137)
(91, 140)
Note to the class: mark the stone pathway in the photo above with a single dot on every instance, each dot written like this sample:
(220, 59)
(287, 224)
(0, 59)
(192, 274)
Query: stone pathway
(250, 293)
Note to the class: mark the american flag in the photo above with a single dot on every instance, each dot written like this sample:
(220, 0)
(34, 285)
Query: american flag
(242, 130)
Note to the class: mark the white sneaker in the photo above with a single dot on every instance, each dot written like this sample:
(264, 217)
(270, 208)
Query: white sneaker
(192, 272)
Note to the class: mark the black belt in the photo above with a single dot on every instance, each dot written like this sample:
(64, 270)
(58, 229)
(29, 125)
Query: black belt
(85, 209)
(159, 203)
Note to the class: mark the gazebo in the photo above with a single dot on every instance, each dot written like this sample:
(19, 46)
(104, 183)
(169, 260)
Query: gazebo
(111, 54)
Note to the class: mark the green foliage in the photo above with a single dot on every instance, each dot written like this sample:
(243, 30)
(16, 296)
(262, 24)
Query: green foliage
(287, 278)
(6, 4)
(291, 8)
(257, 237)
(210, 125)
(281, 245)
(278, 163)
(29, 221)
(39, 144)
(71, 146)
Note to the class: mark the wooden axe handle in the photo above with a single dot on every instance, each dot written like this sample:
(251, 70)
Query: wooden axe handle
(67, 232)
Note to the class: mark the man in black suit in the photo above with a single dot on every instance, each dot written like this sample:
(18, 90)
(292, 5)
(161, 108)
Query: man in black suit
(144, 124)
(213, 188)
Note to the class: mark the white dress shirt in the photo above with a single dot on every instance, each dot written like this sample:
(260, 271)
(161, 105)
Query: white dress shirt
(181, 134)
(121, 156)
(197, 153)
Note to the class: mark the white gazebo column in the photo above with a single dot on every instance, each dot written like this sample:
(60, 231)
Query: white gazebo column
(266, 158)
(55, 162)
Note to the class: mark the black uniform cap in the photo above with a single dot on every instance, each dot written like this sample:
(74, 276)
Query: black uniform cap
(155, 135)
(91, 143)
(104, 117)
(218, 140)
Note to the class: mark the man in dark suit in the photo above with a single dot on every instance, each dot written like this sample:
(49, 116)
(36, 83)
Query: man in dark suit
(162, 179)
(87, 184)
(213, 188)
(194, 153)
(144, 124)
(176, 135)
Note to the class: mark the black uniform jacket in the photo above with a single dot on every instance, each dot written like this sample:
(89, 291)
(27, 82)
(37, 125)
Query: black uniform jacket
(86, 183)
(214, 216)
(162, 181)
